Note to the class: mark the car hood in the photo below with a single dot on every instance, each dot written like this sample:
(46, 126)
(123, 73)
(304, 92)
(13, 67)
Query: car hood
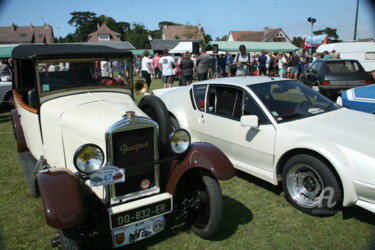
(345, 128)
(90, 113)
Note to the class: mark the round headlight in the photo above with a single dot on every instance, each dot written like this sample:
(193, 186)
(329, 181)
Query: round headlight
(180, 141)
(88, 158)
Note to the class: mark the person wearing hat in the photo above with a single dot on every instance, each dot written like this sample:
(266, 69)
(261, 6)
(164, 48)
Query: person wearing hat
(166, 63)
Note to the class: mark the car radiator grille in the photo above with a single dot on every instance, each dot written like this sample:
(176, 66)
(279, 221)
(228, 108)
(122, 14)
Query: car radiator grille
(134, 151)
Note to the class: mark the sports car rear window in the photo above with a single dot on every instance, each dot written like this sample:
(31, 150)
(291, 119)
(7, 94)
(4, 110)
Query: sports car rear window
(199, 95)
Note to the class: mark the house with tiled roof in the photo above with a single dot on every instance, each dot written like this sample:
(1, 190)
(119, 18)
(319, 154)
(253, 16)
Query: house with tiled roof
(267, 35)
(178, 32)
(26, 34)
(104, 34)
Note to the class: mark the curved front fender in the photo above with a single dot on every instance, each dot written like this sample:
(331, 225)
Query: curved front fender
(201, 155)
(62, 198)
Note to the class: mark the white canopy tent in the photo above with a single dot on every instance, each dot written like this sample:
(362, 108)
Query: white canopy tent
(182, 47)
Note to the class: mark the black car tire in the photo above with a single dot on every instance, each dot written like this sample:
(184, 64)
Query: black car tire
(70, 239)
(310, 185)
(203, 199)
(175, 124)
(155, 108)
(8, 101)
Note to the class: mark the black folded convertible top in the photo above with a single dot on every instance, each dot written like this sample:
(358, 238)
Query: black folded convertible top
(50, 51)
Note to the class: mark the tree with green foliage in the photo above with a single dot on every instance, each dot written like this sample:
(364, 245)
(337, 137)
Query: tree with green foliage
(297, 41)
(223, 38)
(109, 21)
(332, 33)
(138, 36)
(85, 23)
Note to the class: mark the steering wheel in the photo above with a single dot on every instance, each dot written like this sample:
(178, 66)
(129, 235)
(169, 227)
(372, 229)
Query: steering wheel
(302, 106)
(105, 81)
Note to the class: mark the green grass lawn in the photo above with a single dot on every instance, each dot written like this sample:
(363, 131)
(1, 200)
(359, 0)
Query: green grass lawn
(256, 215)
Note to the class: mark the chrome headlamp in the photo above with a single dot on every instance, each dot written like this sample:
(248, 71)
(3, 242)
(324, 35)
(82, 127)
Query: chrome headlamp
(88, 158)
(179, 141)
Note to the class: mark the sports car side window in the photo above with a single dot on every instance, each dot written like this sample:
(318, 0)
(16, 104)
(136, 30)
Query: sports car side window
(251, 108)
(199, 96)
(225, 101)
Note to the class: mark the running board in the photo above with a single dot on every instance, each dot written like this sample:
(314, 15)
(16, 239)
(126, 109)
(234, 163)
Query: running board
(28, 163)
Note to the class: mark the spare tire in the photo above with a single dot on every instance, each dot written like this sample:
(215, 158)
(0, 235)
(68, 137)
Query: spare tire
(155, 108)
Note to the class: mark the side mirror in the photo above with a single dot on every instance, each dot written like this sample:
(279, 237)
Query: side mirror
(249, 121)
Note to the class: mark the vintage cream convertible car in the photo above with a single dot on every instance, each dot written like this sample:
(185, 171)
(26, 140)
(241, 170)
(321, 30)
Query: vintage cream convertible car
(283, 132)
(100, 162)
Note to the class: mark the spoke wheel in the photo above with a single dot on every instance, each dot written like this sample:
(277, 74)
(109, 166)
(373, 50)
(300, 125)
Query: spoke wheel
(71, 239)
(311, 186)
(203, 201)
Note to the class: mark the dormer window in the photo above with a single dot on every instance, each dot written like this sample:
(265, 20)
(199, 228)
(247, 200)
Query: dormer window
(103, 37)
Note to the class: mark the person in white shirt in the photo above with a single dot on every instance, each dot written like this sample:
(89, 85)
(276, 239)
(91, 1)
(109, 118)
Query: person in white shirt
(146, 69)
(166, 63)
(282, 64)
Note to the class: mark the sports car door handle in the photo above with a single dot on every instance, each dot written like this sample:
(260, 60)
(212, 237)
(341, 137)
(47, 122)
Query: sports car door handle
(201, 119)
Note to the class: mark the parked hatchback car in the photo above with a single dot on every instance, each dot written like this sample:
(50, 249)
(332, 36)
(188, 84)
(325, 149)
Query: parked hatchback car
(100, 161)
(331, 77)
(284, 133)
(361, 98)
(6, 96)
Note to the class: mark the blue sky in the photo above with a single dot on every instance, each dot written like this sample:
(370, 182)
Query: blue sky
(216, 17)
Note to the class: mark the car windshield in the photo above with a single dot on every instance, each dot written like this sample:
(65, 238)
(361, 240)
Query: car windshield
(291, 100)
(61, 75)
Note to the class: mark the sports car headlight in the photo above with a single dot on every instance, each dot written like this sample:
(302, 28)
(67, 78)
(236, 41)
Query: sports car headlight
(179, 141)
(88, 158)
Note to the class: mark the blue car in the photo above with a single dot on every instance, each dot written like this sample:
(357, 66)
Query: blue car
(360, 98)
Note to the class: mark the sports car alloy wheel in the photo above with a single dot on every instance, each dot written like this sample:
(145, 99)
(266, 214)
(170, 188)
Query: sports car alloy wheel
(304, 185)
(311, 186)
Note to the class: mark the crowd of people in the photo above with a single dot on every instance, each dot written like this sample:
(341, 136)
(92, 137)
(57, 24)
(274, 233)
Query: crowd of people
(204, 66)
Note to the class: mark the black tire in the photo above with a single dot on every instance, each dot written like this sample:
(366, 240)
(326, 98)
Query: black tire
(310, 185)
(174, 123)
(205, 208)
(71, 239)
(155, 108)
(8, 101)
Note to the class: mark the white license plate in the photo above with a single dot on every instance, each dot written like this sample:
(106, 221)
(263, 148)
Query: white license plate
(138, 231)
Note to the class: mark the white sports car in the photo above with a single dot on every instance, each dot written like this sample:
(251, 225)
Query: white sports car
(284, 132)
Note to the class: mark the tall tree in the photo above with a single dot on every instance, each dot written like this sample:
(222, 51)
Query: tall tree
(85, 23)
(223, 38)
(156, 34)
(137, 36)
(332, 33)
(297, 41)
(109, 21)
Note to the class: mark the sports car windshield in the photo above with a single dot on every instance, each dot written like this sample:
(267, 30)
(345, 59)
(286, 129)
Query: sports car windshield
(291, 100)
(61, 75)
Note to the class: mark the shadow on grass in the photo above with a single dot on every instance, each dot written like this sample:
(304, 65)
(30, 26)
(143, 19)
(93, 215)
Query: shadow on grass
(259, 182)
(358, 213)
(235, 214)
(5, 117)
(4, 114)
